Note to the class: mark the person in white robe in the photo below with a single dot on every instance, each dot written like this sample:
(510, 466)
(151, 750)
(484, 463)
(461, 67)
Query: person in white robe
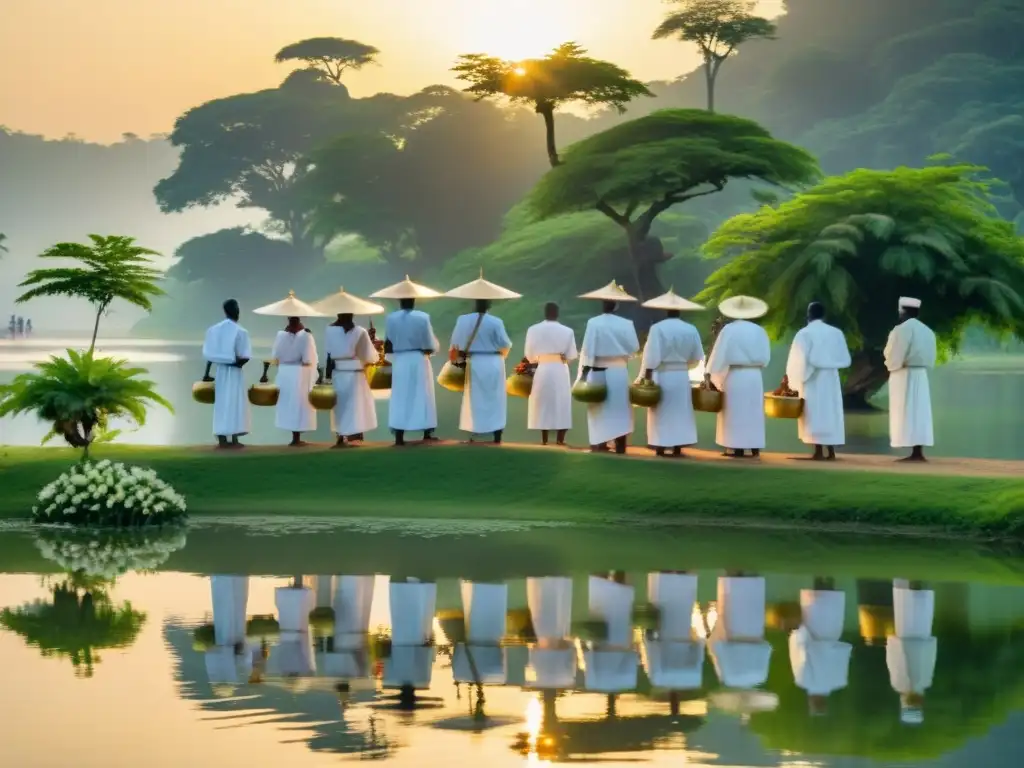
(550, 346)
(349, 351)
(295, 353)
(818, 353)
(227, 346)
(738, 649)
(735, 367)
(673, 348)
(911, 653)
(909, 353)
(819, 659)
(409, 341)
(608, 344)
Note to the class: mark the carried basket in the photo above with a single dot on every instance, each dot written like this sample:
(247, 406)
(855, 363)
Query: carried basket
(379, 375)
(519, 385)
(707, 400)
(782, 406)
(452, 377)
(588, 392)
(644, 394)
(323, 397)
(203, 392)
(265, 394)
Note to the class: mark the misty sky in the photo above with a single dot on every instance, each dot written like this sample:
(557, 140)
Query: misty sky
(100, 68)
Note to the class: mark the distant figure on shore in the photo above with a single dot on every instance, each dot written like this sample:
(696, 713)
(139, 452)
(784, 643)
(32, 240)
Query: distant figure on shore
(608, 343)
(818, 353)
(735, 366)
(673, 348)
(21, 326)
(909, 353)
(28, 327)
(550, 346)
(12, 326)
(227, 346)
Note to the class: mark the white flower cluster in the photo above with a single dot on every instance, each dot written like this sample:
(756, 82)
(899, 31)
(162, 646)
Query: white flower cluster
(105, 493)
(110, 555)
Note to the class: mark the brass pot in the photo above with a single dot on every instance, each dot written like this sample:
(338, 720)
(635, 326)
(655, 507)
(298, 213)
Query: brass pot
(519, 385)
(644, 394)
(783, 616)
(452, 377)
(323, 397)
(453, 624)
(380, 376)
(876, 623)
(589, 392)
(776, 407)
(707, 400)
(203, 392)
(264, 394)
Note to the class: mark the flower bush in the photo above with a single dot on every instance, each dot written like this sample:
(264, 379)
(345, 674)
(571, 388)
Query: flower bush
(108, 554)
(109, 494)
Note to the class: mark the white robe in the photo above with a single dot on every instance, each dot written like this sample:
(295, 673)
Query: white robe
(296, 374)
(610, 671)
(225, 342)
(351, 352)
(484, 607)
(484, 400)
(740, 353)
(550, 345)
(674, 594)
(412, 606)
(818, 353)
(612, 603)
(550, 602)
(609, 342)
(676, 665)
(738, 649)
(823, 612)
(413, 404)
(909, 353)
(673, 347)
(230, 596)
(819, 666)
(913, 611)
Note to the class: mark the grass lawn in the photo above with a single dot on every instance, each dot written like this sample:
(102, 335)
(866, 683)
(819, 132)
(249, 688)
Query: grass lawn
(460, 482)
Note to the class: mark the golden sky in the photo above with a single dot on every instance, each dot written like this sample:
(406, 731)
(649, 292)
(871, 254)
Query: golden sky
(100, 68)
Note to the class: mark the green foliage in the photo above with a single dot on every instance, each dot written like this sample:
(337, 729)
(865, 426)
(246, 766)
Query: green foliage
(236, 258)
(113, 267)
(331, 56)
(860, 241)
(79, 395)
(75, 624)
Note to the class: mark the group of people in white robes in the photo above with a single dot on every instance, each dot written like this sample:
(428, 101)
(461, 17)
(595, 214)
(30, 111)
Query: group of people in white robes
(480, 345)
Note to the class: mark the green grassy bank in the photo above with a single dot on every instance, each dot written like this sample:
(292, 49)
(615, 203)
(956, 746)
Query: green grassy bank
(464, 482)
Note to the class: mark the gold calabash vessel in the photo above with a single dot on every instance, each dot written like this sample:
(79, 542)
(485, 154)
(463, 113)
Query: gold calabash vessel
(379, 376)
(265, 394)
(779, 407)
(203, 392)
(589, 392)
(707, 400)
(519, 385)
(323, 397)
(644, 394)
(452, 377)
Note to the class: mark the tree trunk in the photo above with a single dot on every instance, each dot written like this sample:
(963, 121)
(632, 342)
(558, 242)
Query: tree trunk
(548, 113)
(709, 77)
(866, 375)
(645, 254)
(96, 329)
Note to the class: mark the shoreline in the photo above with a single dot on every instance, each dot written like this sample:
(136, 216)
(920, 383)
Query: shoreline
(946, 498)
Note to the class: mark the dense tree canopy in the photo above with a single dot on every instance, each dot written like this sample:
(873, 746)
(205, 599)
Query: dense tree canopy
(860, 241)
(565, 75)
(330, 56)
(234, 258)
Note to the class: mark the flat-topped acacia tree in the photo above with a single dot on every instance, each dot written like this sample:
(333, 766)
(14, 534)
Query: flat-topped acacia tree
(331, 56)
(636, 171)
(565, 75)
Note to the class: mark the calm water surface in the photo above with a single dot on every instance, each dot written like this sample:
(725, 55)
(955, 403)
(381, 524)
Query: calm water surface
(977, 408)
(112, 666)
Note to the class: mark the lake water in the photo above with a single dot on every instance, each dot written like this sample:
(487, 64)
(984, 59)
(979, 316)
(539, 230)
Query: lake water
(977, 406)
(109, 671)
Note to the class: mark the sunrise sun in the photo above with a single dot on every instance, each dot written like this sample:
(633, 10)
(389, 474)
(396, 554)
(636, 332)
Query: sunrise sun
(516, 29)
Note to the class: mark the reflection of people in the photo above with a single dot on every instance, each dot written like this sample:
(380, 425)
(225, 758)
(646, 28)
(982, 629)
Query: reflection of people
(12, 326)
(910, 654)
(550, 601)
(349, 350)
(608, 343)
(230, 596)
(820, 661)
(549, 346)
(909, 353)
(673, 347)
(21, 326)
(480, 341)
(738, 648)
(28, 327)
(819, 351)
(227, 346)
(735, 366)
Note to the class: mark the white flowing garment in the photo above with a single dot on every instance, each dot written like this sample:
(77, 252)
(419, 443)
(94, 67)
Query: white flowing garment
(226, 342)
(909, 353)
(550, 345)
(484, 400)
(230, 596)
(351, 351)
(818, 353)
(296, 374)
(738, 649)
(609, 342)
(819, 666)
(413, 405)
(736, 362)
(673, 347)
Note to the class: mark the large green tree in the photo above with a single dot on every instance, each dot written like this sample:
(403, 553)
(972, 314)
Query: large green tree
(110, 267)
(236, 259)
(638, 170)
(718, 28)
(331, 56)
(564, 76)
(860, 241)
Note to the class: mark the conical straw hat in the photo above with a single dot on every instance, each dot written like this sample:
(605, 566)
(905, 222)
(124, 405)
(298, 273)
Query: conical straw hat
(743, 308)
(290, 307)
(611, 292)
(482, 289)
(406, 289)
(342, 303)
(671, 302)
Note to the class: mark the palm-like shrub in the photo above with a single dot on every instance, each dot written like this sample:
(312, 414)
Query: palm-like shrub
(113, 267)
(79, 395)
